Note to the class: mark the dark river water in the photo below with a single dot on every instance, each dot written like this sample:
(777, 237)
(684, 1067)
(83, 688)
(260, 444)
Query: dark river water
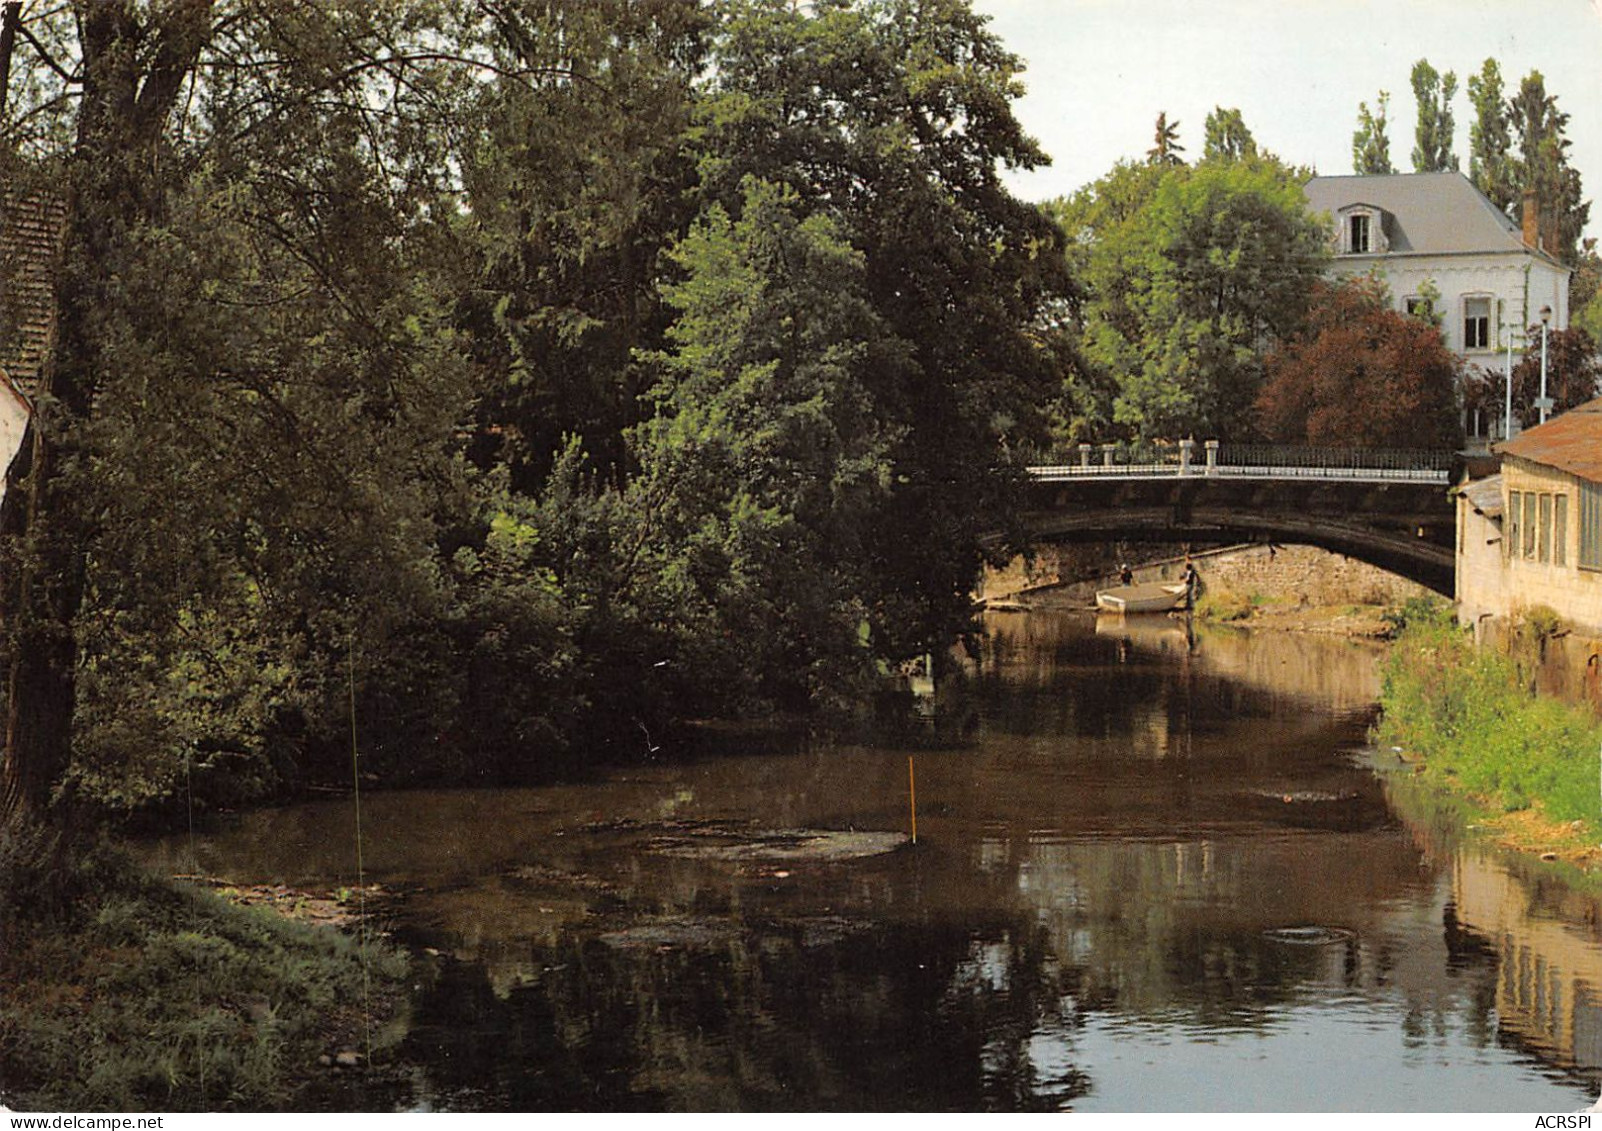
(1157, 873)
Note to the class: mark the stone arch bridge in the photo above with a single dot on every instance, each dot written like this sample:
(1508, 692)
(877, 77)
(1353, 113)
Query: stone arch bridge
(1390, 508)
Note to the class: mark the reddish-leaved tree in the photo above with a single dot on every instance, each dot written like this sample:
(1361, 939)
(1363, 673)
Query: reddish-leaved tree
(1361, 375)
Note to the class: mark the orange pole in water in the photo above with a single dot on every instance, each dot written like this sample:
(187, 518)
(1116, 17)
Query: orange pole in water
(912, 796)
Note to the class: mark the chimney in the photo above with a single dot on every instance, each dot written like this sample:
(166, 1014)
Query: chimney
(1532, 220)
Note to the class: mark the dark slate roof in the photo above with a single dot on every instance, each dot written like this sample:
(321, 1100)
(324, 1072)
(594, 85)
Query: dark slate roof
(30, 241)
(1570, 441)
(1430, 213)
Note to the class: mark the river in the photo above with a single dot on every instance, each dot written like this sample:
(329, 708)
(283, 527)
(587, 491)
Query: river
(1157, 873)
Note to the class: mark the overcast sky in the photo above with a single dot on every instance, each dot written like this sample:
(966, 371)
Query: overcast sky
(1099, 71)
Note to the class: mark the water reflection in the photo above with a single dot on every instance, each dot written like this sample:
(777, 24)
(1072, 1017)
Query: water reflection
(1156, 880)
(1543, 937)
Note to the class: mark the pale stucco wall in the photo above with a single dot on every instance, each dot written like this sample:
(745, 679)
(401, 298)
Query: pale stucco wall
(13, 419)
(1481, 576)
(1521, 283)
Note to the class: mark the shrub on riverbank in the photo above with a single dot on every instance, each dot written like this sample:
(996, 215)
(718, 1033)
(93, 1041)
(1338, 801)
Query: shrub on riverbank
(124, 992)
(1468, 714)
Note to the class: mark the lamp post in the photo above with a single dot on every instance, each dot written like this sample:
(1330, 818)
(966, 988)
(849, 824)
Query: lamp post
(1545, 402)
(1507, 386)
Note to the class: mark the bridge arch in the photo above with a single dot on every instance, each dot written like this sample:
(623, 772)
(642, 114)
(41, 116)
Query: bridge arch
(1398, 518)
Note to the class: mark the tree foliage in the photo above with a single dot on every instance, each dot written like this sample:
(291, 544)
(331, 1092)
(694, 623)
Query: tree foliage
(1371, 146)
(1165, 148)
(1544, 166)
(1491, 153)
(523, 375)
(1227, 138)
(1572, 373)
(1189, 275)
(578, 171)
(1433, 135)
(770, 461)
(893, 119)
(1361, 375)
(1518, 145)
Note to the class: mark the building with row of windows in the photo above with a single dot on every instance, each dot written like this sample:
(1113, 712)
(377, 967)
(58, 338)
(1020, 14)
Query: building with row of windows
(1532, 535)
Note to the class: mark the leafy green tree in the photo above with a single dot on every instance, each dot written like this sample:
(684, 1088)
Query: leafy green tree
(1428, 308)
(1371, 147)
(377, 378)
(1361, 375)
(770, 461)
(893, 118)
(1492, 165)
(1585, 287)
(1432, 137)
(576, 165)
(1228, 139)
(1082, 409)
(1185, 291)
(1165, 149)
(245, 443)
(125, 102)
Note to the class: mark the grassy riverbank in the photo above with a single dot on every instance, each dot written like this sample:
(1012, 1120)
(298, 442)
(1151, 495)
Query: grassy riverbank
(1468, 716)
(124, 992)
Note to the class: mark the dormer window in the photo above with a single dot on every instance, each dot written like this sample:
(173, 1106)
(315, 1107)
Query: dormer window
(1357, 233)
(1362, 231)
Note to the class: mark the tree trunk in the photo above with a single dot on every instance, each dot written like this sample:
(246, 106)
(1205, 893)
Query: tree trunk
(113, 188)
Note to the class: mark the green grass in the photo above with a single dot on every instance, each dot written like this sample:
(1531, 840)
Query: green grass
(124, 992)
(1469, 715)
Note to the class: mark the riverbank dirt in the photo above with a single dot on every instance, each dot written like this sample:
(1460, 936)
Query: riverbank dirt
(1357, 621)
(344, 908)
(1528, 831)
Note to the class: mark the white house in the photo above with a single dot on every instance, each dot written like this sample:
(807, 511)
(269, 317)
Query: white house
(1435, 237)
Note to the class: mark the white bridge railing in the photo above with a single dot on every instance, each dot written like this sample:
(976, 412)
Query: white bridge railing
(1212, 459)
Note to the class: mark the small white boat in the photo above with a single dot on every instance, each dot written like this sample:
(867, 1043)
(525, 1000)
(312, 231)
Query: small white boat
(1152, 597)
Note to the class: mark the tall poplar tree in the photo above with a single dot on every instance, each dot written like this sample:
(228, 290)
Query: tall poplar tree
(1543, 166)
(1371, 148)
(1432, 137)
(1492, 164)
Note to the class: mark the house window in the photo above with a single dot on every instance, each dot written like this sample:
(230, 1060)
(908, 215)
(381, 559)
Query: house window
(1357, 234)
(1543, 540)
(1560, 530)
(1590, 526)
(1515, 503)
(1529, 524)
(1476, 323)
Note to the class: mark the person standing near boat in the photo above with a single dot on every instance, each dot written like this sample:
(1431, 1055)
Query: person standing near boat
(1192, 581)
(1126, 576)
